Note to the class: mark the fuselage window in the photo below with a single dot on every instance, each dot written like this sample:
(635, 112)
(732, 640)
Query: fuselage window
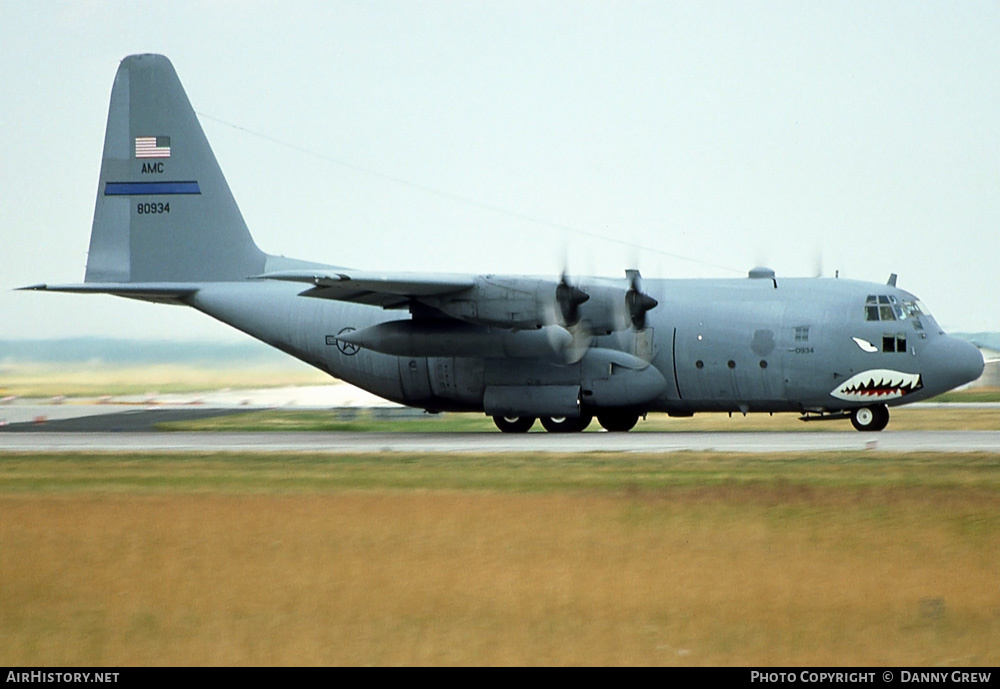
(894, 343)
(802, 333)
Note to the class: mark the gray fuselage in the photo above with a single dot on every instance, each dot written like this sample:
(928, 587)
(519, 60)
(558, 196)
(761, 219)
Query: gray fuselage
(749, 345)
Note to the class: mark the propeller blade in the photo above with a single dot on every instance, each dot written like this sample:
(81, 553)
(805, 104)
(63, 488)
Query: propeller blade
(578, 346)
(637, 302)
(569, 299)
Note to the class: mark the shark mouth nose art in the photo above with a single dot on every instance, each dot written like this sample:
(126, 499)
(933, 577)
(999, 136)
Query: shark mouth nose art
(878, 384)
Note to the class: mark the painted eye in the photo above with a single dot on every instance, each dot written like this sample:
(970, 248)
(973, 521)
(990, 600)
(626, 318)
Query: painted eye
(865, 345)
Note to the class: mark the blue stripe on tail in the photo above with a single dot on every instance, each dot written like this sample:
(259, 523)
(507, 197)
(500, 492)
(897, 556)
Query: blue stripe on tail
(150, 188)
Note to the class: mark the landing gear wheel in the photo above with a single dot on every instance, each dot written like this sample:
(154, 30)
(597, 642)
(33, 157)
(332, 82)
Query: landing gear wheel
(873, 418)
(514, 424)
(881, 416)
(618, 421)
(566, 424)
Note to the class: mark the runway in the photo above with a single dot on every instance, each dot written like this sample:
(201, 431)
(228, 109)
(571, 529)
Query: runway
(342, 443)
(132, 428)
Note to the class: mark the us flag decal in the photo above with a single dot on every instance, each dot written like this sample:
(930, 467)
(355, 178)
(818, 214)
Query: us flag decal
(152, 147)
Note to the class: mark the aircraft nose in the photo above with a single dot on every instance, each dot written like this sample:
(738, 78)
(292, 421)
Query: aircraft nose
(949, 362)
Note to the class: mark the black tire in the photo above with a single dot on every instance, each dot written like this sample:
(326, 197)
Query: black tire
(873, 418)
(619, 421)
(514, 424)
(882, 416)
(566, 424)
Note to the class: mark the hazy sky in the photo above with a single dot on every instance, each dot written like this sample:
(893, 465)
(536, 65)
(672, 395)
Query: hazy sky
(482, 136)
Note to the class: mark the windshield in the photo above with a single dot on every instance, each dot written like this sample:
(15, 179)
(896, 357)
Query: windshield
(885, 307)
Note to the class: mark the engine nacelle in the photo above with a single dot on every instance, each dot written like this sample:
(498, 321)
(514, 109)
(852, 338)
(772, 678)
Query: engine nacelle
(530, 303)
(611, 378)
(604, 313)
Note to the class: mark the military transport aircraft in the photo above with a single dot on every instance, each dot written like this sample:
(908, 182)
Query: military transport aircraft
(559, 349)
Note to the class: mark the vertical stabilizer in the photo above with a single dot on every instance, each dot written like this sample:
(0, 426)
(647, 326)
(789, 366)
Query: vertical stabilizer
(164, 211)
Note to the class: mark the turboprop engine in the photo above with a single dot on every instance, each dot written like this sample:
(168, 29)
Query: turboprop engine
(601, 307)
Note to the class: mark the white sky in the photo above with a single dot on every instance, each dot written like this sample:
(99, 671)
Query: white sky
(862, 136)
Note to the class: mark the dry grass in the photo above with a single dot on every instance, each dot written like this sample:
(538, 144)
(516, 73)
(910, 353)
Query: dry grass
(779, 572)
(97, 379)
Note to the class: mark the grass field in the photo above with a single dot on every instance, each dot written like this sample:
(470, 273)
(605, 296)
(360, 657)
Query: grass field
(596, 559)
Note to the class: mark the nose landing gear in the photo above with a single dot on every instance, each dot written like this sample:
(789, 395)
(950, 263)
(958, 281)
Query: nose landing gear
(872, 418)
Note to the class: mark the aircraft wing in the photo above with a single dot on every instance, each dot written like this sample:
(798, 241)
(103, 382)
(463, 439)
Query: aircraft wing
(388, 290)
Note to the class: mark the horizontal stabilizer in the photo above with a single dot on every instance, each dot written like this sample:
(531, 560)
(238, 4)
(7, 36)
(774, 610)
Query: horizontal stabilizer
(168, 292)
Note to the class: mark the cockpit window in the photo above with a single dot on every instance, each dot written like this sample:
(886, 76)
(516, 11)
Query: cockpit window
(880, 308)
(871, 308)
(885, 307)
(914, 308)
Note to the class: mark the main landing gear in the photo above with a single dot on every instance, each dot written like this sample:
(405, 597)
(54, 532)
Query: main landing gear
(619, 421)
(514, 424)
(566, 424)
(615, 421)
(873, 418)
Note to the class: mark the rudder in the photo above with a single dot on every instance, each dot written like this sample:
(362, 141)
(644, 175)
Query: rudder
(164, 211)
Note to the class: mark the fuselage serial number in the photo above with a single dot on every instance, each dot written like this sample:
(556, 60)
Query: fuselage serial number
(152, 208)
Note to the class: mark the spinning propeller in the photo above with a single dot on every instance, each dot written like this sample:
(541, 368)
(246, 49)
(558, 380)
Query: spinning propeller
(569, 299)
(636, 301)
(607, 310)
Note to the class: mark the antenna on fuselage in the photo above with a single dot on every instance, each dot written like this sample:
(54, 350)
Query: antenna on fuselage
(763, 273)
(892, 280)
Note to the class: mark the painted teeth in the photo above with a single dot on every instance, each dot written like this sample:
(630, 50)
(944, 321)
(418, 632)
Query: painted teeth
(878, 384)
(880, 388)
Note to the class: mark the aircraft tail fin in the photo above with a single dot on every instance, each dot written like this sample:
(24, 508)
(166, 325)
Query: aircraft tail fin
(164, 210)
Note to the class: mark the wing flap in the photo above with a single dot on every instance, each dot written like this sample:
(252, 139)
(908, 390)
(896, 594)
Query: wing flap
(388, 290)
